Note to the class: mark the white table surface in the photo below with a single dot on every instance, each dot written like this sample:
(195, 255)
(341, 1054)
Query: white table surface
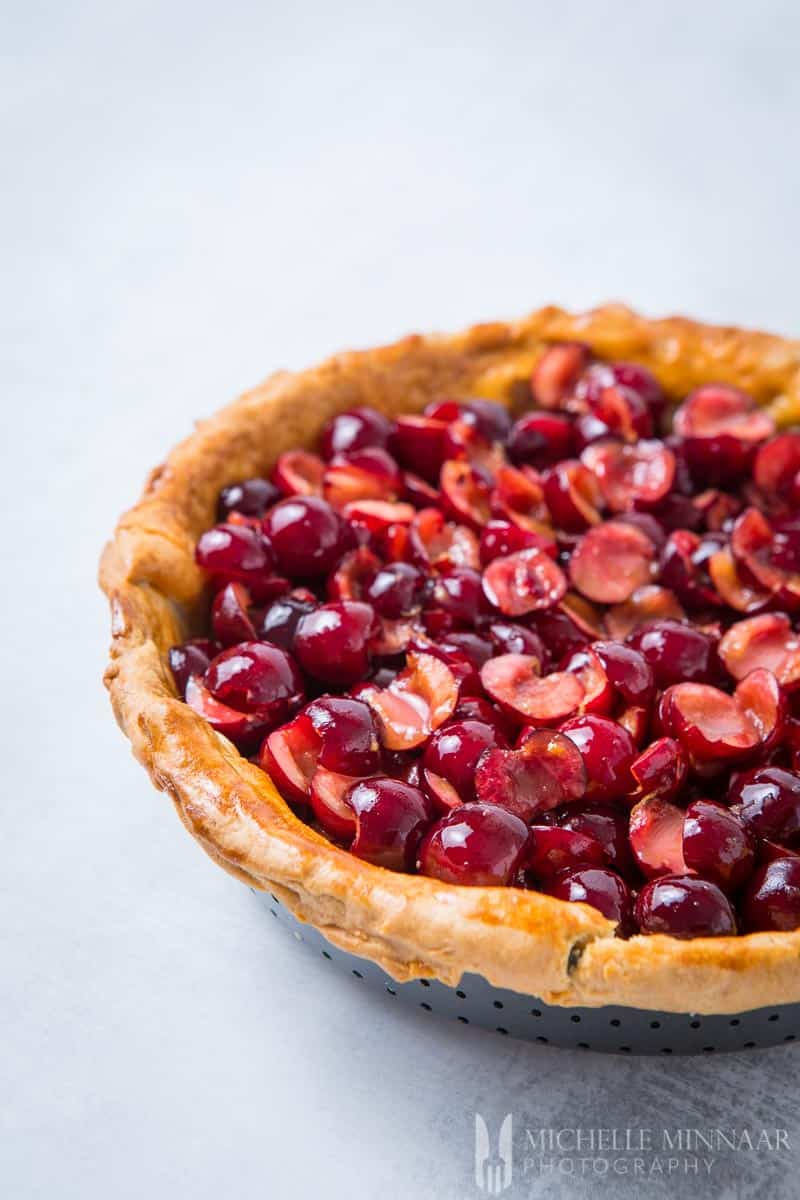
(194, 195)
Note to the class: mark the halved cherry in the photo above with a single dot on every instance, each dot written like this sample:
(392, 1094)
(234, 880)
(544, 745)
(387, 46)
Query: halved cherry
(501, 538)
(764, 641)
(352, 577)
(608, 823)
(416, 703)
(717, 508)
(348, 738)
(419, 444)
(544, 772)
(646, 604)
(776, 469)
(513, 681)
(611, 561)
(656, 837)
(524, 582)
(712, 726)
(247, 498)
(614, 411)
(328, 796)
(518, 497)
(771, 900)
(734, 589)
(768, 556)
(241, 727)
(660, 770)
(721, 427)
(572, 495)
(628, 671)
(279, 622)
(608, 751)
(417, 492)
(683, 567)
(557, 372)
(464, 670)
(631, 476)
(298, 473)
(598, 692)
(716, 845)
(290, 755)
(376, 516)
(391, 819)
(435, 542)
(454, 601)
(230, 619)
(635, 720)
(551, 850)
(762, 700)
(370, 474)
(465, 493)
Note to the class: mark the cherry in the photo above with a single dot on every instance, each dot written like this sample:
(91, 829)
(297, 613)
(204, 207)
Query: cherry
(628, 671)
(572, 496)
(235, 552)
(245, 729)
(298, 473)
(608, 751)
(190, 658)
(328, 798)
(772, 898)
(631, 476)
(647, 604)
(230, 619)
(454, 601)
(332, 642)
(355, 429)
(420, 445)
(763, 641)
(557, 372)
(451, 757)
(307, 536)
(515, 639)
(676, 653)
(465, 493)
(607, 823)
(546, 770)
(660, 770)
(476, 708)
(613, 411)
(280, 621)
(395, 589)
(290, 755)
(540, 439)
(391, 818)
(256, 678)
(721, 427)
(599, 887)
(684, 907)
(769, 800)
(611, 561)
(656, 836)
(776, 470)
(349, 738)
(434, 542)
(251, 497)
(514, 682)
(417, 702)
(479, 845)
(523, 582)
(501, 538)
(551, 850)
(716, 845)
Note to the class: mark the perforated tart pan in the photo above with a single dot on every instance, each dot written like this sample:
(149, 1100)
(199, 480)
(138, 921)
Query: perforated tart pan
(610, 1030)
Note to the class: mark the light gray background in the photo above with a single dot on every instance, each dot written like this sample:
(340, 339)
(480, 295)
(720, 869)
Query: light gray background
(193, 196)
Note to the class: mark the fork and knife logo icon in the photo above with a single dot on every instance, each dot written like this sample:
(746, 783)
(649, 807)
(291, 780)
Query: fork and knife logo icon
(493, 1170)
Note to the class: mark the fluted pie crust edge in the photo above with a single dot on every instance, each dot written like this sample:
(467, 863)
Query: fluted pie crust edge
(412, 926)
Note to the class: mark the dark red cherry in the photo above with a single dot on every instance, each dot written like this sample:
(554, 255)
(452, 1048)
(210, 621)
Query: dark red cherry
(230, 619)
(490, 419)
(190, 658)
(355, 429)
(251, 497)
(332, 642)
(347, 731)
(391, 818)
(475, 708)
(516, 639)
(281, 619)
(236, 553)
(307, 536)
(599, 887)
(769, 800)
(608, 751)
(501, 538)
(395, 589)
(454, 602)
(677, 653)
(628, 672)
(257, 678)
(479, 845)
(716, 845)
(450, 760)
(552, 850)
(541, 438)
(682, 906)
(608, 823)
(772, 898)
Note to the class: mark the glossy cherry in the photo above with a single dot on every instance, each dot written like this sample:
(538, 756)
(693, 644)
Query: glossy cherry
(608, 751)
(256, 678)
(251, 497)
(683, 906)
(771, 900)
(332, 642)
(391, 818)
(601, 888)
(355, 430)
(478, 845)
(716, 845)
(307, 536)
(450, 760)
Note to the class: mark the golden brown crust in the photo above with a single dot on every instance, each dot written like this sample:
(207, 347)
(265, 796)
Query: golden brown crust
(565, 953)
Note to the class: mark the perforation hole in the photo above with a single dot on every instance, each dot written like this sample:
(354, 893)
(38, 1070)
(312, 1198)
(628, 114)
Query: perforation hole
(497, 1003)
(584, 1046)
(461, 995)
(624, 1049)
(615, 1021)
(464, 1020)
(774, 1017)
(357, 974)
(391, 990)
(544, 1041)
(326, 955)
(655, 1024)
(734, 1022)
(695, 1024)
(575, 1019)
(500, 1029)
(424, 1004)
(536, 1012)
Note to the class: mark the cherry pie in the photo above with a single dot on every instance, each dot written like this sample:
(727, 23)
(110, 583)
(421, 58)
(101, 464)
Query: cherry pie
(483, 654)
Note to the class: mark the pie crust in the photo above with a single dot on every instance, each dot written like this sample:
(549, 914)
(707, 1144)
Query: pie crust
(412, 926)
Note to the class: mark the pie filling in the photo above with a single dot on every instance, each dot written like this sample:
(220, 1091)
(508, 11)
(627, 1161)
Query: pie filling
(559, 653)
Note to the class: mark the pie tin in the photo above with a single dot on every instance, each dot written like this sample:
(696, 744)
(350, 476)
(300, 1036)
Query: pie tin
(610, 1030)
